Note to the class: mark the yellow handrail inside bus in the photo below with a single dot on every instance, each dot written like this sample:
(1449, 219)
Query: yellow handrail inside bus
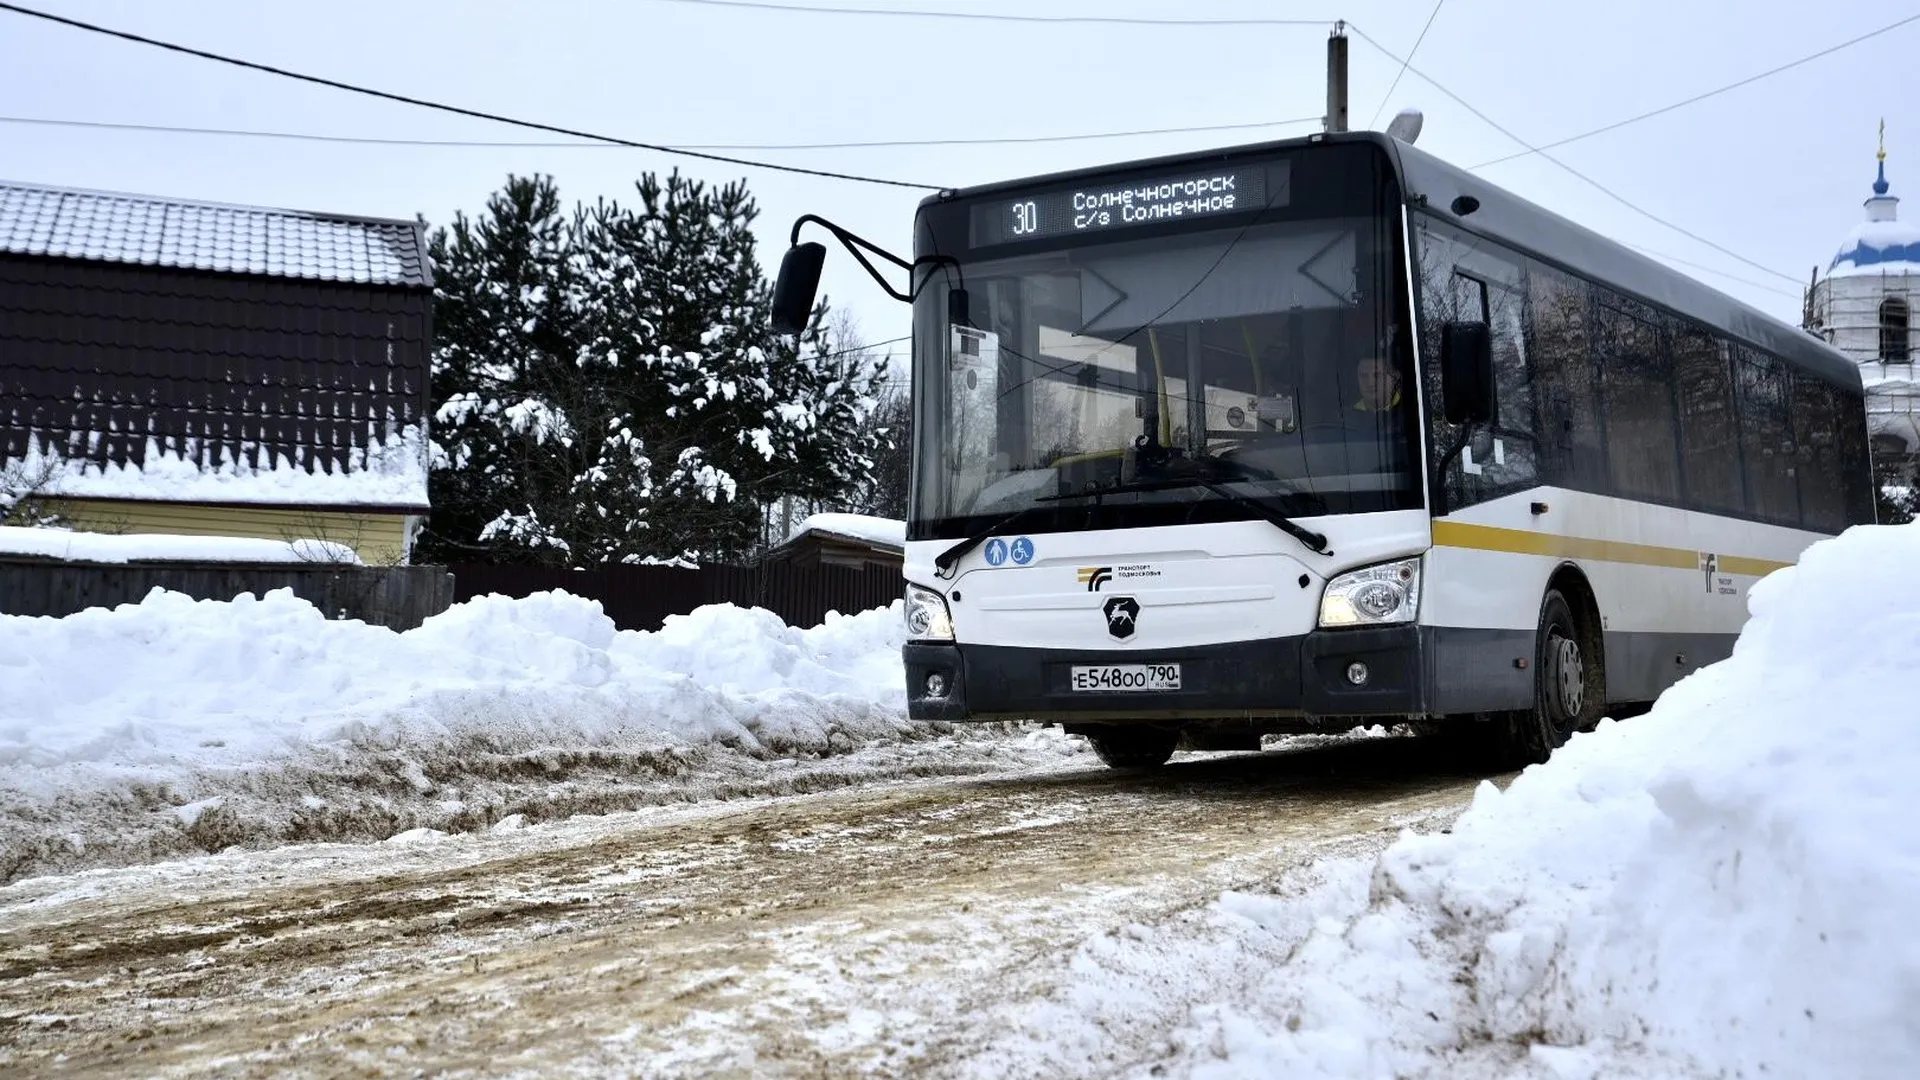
(1253, 359)
(1160, 387)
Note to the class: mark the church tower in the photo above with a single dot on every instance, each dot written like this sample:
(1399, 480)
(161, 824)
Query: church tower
(1864, 306)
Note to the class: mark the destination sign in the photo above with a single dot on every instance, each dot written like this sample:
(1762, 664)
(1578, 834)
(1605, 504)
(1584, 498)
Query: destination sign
(1120, 204)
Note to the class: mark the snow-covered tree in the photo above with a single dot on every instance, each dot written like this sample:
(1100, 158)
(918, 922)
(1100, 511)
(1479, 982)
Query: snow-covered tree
(24, 489)
(885, 433)
(607, 388)
(504, 388)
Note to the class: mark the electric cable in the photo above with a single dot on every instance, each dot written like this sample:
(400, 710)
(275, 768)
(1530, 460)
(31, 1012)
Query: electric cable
(455, 109)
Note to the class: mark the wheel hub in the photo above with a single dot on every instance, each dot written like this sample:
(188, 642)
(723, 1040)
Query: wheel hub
(1570, 675)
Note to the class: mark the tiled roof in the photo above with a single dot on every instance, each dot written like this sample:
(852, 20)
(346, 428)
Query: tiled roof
(146, 230)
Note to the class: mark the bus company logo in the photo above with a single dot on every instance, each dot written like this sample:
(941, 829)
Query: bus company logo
(1123, 615)
(1709, 566)
(1095, 576)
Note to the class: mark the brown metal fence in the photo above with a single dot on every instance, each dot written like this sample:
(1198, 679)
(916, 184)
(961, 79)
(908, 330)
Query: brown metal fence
(400, 597)
(641, 597)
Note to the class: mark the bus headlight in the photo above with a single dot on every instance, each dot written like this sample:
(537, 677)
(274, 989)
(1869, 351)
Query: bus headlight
(1374, 596)
(927, 618)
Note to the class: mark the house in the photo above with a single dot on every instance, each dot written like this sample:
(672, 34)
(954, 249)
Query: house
(858, 541)
(187, 368)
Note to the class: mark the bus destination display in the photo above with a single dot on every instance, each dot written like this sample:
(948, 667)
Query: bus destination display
(1119, 204)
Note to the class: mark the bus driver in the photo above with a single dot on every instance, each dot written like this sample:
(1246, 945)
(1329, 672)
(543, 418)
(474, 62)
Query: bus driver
(1379, 385)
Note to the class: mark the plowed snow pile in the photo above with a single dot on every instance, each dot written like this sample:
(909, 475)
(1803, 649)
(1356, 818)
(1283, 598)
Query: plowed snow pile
(1726, 886)
(176, 725)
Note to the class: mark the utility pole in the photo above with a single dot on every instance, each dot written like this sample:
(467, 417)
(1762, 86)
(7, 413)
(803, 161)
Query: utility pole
(1337, 78)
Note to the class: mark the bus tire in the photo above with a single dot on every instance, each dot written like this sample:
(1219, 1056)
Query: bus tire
(1129, 746)
(1567, 685)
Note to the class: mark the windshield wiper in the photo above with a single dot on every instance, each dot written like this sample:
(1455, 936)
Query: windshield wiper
(1314, 541)
(944, 561)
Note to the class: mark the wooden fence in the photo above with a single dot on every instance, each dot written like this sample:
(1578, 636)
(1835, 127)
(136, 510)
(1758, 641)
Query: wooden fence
(400, 597)
(641, 597)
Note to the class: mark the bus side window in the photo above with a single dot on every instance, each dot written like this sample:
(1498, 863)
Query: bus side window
(1636, 382)
(1823, 491)
(1572, 433)
(1502, 458)
(1709, 428)
(1766, 438)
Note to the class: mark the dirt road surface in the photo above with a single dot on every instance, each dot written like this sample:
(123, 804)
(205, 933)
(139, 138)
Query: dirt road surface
(905, 928)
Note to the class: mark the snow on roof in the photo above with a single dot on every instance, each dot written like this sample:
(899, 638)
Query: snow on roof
(1878, 247)
(389, 475)
(881, 532)
(167, 547)
(152, 231)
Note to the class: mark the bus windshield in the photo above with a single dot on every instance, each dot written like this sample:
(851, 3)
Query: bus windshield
(1268, 358)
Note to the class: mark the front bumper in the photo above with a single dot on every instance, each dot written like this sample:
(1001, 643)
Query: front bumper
(1299, 676)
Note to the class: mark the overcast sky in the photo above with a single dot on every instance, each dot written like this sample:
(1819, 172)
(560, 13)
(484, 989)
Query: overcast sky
(1774, 171)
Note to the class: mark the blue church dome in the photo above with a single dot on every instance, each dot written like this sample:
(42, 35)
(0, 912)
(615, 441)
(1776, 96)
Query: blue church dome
(1882, 244)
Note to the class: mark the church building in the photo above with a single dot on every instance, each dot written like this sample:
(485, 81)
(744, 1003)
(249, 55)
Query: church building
(1864, 306)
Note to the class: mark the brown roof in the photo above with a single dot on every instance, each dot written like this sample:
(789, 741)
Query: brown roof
(173, 378)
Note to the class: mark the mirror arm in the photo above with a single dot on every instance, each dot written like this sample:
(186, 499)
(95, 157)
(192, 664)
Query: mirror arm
(849, 240)
(855, 243)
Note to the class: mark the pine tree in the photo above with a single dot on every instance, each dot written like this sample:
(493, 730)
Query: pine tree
(885, 433)
(892, 442)
(718, 417)
(506, 315)
(607, 388)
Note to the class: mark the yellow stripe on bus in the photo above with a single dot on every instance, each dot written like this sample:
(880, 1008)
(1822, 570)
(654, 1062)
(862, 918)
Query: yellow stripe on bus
(1521, 542)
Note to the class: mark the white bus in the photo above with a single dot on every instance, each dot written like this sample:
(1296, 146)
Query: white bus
(1327, 432)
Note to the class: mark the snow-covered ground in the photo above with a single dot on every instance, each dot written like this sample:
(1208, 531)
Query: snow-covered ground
(1722, 887)
(175, 726)
(1718, 888)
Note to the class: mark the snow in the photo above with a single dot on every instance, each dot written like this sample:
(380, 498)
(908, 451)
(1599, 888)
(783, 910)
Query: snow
(180, 724)
(879, 531)
(389, 473)
(1724, 886)
(1721, 887)
(69, 546)
(1873, 248)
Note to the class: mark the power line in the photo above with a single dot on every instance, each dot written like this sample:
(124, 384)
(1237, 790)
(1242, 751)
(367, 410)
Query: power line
(1602, 188)
(1388, 96)
(173, 129)
(1702, 97)
(423, 103)
(852, 349)
(1110, 20)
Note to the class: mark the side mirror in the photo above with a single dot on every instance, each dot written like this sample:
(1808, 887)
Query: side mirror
(794, 290)
(1466, 372)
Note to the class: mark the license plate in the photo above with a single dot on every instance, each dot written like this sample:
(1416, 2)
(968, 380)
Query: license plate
(1127, 677)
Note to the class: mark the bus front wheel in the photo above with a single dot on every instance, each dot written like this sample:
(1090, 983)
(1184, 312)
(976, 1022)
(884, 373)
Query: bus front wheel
(1569, 685)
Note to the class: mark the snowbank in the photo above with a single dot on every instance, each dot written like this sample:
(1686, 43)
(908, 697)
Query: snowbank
(1722, 887)
(179, 725)
(89, 547)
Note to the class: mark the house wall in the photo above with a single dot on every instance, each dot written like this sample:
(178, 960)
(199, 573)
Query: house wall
(99, 360)
(381, 539)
